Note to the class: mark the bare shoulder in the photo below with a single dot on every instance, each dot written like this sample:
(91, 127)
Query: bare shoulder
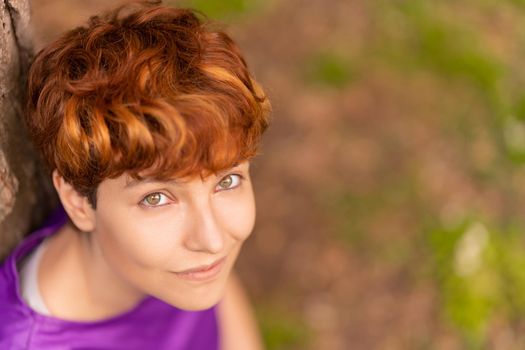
(237, 325)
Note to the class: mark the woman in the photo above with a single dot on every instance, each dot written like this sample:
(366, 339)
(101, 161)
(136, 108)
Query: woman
(147, 120)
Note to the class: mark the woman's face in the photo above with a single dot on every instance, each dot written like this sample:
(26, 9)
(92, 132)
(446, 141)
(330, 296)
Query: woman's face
(178, 240)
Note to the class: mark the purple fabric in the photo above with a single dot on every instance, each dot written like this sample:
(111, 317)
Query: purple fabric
(152, 324)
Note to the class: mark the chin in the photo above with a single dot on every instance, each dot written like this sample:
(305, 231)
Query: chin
(197, 304)
(202, 299)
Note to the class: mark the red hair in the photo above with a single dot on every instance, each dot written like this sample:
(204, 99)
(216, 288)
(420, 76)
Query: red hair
(155, 93)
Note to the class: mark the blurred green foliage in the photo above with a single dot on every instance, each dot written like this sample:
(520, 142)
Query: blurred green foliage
(281, 330)
(477, 263)
(480, 276)
(330, 69)
(446, 48)
(449, 48)
(223, 10)
(467, 278)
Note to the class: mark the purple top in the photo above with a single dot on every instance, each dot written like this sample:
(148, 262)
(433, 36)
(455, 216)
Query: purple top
(152, 324)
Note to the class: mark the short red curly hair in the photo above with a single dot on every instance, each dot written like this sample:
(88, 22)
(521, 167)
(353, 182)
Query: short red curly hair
(152, 93)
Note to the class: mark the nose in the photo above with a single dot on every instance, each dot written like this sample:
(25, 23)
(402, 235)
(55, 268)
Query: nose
(205, 233)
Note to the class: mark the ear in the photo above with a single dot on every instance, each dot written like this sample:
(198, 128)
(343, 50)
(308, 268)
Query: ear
(76, 205)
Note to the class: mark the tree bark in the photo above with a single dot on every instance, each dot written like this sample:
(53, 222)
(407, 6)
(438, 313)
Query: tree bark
(26, 195)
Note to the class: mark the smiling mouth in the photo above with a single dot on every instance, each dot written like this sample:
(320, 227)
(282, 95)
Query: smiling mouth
(202, 273)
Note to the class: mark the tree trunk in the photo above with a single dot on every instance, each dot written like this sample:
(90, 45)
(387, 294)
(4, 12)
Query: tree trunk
(25, 192)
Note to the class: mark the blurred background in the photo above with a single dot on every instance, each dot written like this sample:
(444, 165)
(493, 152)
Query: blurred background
(390, 186)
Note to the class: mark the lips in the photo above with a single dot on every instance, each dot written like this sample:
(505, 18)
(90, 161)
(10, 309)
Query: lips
(202, 273)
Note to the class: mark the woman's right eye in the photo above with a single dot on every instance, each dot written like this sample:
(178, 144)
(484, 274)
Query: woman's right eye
(155, 199)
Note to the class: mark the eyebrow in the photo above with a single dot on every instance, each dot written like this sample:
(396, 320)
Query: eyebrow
(130, 183)
(223, 172)
(136, 182)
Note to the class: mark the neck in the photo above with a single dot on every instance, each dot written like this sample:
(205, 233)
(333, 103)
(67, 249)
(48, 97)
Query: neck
(77, 284)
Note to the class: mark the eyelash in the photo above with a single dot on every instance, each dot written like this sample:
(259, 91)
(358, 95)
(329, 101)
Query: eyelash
(239, 177)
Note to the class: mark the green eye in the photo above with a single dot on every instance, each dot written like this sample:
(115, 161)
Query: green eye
(229, 182)
(226, 182)
(154, 199)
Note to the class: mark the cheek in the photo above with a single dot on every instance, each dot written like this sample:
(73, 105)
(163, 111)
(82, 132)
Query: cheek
(127, 235)
(238, 216)
(126, 238)
(247, 221)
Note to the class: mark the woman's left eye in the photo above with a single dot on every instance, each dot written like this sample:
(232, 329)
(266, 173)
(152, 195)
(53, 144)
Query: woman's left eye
(155, 199)
(229, 182)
